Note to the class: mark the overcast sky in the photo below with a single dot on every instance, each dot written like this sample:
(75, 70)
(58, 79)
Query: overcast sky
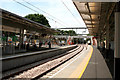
(55, 8)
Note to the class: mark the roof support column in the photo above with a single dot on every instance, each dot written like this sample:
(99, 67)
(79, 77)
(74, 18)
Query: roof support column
(117, 43)
(21, 38)
(40, 41)
(107, 36)
(91, 40)
(1, 43)
(107, 39)
(99, 41)
(34, 40)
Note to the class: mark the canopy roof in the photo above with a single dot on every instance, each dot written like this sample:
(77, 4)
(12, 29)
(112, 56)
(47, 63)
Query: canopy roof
(94, 14)
(12, 22)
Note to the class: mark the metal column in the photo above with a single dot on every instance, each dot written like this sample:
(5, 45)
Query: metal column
(117, 43)
(1, 43)
(99, 42)
(21, 38)
(107, 39)
(107, 36)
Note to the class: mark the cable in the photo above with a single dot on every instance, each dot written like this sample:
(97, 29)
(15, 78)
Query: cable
(36, 11)
(26, 6)
(70, 11)
(42, 11)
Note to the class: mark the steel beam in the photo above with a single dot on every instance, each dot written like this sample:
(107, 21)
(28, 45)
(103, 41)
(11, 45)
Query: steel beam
(86, 13)
(76, 28)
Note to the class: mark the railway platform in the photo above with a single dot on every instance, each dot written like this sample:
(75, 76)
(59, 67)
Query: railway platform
(12, 63)
(32, 50)
(88, 65)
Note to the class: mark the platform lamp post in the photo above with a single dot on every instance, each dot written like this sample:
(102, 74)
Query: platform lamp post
(117, 43)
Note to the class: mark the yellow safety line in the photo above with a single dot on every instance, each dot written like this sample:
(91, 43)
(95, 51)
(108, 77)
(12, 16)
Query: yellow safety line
(81, 68)
(86, 64)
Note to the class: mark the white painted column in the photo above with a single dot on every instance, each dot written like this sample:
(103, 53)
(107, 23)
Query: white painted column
(117, 47)
(91, 40)
(117, 35)
(0, 43)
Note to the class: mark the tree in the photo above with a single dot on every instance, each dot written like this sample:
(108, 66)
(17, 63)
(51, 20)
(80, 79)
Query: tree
(38, 18)
(63, 32)
(72, 32)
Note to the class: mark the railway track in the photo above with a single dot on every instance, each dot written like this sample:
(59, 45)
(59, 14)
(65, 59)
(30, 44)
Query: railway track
(48, 65)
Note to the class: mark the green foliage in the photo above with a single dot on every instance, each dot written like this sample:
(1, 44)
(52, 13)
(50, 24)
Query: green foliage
(63, 32)
(38, 18)
(72, 32)
(4, 38)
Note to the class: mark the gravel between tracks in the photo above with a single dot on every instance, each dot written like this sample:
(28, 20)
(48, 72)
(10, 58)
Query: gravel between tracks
(36, 71)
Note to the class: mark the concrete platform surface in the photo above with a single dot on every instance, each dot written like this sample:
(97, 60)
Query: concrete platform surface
(97, 68)
(88, 65)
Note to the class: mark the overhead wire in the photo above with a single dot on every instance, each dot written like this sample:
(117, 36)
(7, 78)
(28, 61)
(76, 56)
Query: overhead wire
(43, 11)
(70, 11)
(26, 6)
(36, 11)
